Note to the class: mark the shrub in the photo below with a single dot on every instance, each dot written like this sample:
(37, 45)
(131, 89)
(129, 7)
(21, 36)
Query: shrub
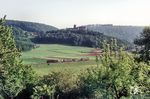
(14, 76)
(117, 76)
(57, 85)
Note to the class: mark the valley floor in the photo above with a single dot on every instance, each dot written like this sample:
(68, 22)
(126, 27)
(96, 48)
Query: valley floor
(38, 57)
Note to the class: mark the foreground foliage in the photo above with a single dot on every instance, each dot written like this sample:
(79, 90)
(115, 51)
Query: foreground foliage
(118, 76)
(14, 76)
(57, 85)
(143, 43)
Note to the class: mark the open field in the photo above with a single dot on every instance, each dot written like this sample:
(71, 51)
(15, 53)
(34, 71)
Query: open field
(74, 67)
(38, 57)
(45, 51)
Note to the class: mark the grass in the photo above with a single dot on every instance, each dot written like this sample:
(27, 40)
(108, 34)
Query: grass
(38, 57)
(74, 67)
(40, 54)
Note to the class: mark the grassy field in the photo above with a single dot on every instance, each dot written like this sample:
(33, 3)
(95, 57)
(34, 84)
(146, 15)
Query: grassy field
(37, 58)
(74, 67)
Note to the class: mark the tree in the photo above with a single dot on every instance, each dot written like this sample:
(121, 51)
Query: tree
(13, 74)
(144, 42)
(117, 76)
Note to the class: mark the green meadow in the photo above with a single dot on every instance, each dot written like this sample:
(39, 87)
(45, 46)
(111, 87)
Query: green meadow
(37, 58)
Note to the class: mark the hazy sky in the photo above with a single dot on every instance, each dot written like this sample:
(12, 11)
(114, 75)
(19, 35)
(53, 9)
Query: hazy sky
(65, 13)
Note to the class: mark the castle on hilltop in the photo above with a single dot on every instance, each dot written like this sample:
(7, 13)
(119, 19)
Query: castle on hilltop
(77, 28)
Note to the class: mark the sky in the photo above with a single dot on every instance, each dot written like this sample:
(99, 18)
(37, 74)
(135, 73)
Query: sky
(65, 13)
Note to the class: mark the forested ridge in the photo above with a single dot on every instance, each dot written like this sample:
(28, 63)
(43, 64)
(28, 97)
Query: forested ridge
(28, 33)
(23, 31)
(22, 39)
(50, 34)
(76, 38)
(128, 33)
(30, 26)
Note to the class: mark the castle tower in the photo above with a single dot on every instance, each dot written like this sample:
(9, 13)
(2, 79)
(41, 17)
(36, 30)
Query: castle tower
(75, 26)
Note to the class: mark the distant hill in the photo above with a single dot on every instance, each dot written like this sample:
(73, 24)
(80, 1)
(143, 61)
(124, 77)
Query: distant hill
(30, 26)
(76, 37)
(128, 33)
(22, 38)
(23, 31)
(26, 33)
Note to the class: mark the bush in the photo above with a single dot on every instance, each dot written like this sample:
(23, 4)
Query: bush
(14, 76)
(117, 76)
(57, 85)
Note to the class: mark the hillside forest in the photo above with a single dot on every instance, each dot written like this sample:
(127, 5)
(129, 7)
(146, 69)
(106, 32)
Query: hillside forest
(28, 33)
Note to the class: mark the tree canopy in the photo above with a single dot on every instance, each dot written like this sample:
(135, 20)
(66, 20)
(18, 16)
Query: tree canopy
(14, 76)
(143, 43)
(76, 38)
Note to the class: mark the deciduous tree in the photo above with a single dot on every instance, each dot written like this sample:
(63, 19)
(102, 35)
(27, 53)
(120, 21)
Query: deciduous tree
(13, 74)
(144, 42)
